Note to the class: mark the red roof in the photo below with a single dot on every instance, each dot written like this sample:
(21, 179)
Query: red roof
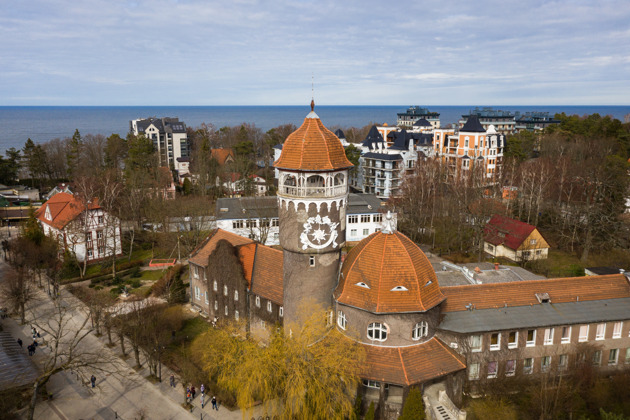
(267, 276)
(63, 208)
(411, 365)
(221, 155)
(313, 147)
(200, 255)
(511, 233)
(523, 293)
(388, 273)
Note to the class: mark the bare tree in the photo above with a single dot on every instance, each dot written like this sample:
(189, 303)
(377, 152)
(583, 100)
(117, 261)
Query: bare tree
(18, 289)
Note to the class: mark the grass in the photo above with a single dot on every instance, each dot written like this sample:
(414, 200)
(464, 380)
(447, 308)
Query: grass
(152, 275)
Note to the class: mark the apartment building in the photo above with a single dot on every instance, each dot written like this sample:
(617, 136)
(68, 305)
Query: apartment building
(169, 138)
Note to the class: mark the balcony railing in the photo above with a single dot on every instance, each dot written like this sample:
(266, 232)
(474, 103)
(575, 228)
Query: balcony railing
(313, 191)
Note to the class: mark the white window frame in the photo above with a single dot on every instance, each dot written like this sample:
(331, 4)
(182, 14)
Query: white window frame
(600, 332)
(421, 329)
(281, 311)
(215, 286)
(597, 358)
(311, 260)
(613, 357)
(532, 342)
(341, 320)
(528, 370)
(377, 331)
(545, 363)
(195, 272)
(90, 253)
(583, 333)
(225, 290)
(473, 371)
(236, 315)
(566, 339)
(628, 356)
(496, 369)
(512, 371)
(206, 294)
(216, 305)
(617, 328)
(269, 306)
(513, 344)
(548, 339)
(563, 362)
(197, 293)
(474, 347)
(236, 296)
(497, 346)
(258, 301)
(226, 310)
(371, 384)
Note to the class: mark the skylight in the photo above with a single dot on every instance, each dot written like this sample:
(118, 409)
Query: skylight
(399, 289)
(362, 284)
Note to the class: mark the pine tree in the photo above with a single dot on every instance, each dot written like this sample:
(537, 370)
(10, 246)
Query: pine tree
(177, 291)
(73, 153)
(414, 406)
(370, 412)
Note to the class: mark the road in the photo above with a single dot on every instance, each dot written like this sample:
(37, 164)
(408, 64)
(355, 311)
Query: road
(127, 395)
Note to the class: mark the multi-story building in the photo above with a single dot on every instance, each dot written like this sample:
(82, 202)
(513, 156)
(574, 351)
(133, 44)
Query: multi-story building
(81, 227)
(503, 121)
(415, 113)
(473, 147)
(169, 138)
(385, 294)
(257, 217)
(533, 121)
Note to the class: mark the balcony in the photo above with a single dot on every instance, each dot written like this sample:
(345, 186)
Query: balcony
(290, 191)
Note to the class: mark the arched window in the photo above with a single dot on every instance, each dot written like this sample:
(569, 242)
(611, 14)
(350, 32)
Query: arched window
(236, 295)
(421, 329)
(377, 331)
(289, 180)
(215, 286)
(258, 301)
(236, 315)
(341, 320)
(225, 291)
(339, 179)
(269, 306)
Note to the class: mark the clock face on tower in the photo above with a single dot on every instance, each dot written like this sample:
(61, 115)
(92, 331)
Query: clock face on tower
(319, 232)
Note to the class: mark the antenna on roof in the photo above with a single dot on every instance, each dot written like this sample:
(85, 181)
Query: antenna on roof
(313, 92)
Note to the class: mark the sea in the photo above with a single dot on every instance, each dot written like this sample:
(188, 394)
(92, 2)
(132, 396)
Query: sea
(44, 123)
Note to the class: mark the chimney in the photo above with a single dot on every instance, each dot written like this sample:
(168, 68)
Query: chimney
(496, 266)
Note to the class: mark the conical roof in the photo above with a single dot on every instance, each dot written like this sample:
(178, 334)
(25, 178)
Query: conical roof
(388, 273)
(372, 138)
(473, 125)
(312, 147)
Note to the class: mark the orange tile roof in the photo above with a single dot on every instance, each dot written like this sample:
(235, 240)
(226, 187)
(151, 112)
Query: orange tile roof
(200, 255)
(246, 254)
(63, 208)
(411, 365)
(313, 147)
(221, 155)
(384, 261)
(523, 293)
(267, 276)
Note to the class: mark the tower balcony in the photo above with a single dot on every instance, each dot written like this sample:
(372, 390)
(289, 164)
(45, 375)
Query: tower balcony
(313, 185)
(300, 192)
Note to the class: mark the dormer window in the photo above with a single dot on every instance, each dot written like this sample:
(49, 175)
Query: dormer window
(362, 284)
(399, 289)
(543, 297)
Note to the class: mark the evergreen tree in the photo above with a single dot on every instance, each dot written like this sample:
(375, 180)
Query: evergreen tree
(371, 412)
(31, 229)
(414, 406)
(73, 153)
(177, 292)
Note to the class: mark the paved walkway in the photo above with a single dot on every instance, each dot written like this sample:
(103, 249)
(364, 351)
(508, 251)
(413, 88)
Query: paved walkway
(127, 396)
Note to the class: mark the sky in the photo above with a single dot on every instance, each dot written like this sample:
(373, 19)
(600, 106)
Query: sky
(369, 52)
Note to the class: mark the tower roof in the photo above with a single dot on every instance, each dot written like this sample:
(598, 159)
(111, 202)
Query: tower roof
(473, 125)
(313, 147)
(386, 272)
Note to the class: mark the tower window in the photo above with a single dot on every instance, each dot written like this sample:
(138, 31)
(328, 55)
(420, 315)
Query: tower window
(420, 330)
(377, 331)
(341, 320)
(311, 261)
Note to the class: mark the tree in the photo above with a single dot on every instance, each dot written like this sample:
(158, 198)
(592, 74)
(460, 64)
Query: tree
(9, 167)
(159, 321)
(371, 412)
(18, 289)
(313, 373)
(414, 406)
(73, 153)
(115, 152)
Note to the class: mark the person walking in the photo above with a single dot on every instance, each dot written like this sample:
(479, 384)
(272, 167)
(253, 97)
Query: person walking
(202, 389)
(93, 380)
(202, 402)
(214, 403)
(188, 394)
(30, 349)
(192, 391)
(172, 380)
(19, 341)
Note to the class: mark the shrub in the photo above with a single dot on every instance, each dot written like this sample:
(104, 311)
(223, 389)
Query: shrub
(370, 412)
(135, 283)
(136, 272)
(414, 406)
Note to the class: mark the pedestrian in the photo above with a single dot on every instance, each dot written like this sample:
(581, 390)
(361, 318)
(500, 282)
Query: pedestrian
(38, 336)
(172, 380)
(31, 349)
(202, 403)
(192, 391)
(19, 341)
(202, 389)
(187, 393)
(214, 403)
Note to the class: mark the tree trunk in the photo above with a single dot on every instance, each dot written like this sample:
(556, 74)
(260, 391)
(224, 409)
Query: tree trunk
(108, 328)
(31, 408)
(136, 352)
(122, 343)
(22, 313)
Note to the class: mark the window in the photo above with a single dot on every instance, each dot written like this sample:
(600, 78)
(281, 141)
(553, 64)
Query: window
(329, 318)
(225, 291)
(100, 220)
(492, 369)
(197, 293)
(566, 335)
(583, 333)
(236, 315)
(563, 362)
(353, 232)
(226, 310)
(311, 261)
(90, 253)
(628, 356)
(215, 287)
(601, 331)
(495, 341)
(275, 222)
(475, 343)
(195, 271)
(597, 357)
(236, 295)
(366, 232)
(237, 224)
(88, 238)
(612, 356)
(269, 306)
(372, 384)
(365, 218)
(548, 336)
(420, 330)
(528, 366)
(377, 331)
(341, 320)
(281, 311)
(206, 295)
(513, 340)
(216, 305)
(353, 219)
(617, 329)
(545, 363)
(264, 223)
(250, 224)
(99, 234)
(532, 241)
(378, 218)
(473, 371)
(101, 250)
(510, 367)
(531, 338)
(258, 301)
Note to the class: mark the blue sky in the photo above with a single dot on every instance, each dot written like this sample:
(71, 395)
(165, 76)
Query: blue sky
(195, 52)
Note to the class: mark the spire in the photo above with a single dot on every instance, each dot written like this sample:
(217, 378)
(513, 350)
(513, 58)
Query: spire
(388, 226)
(312, 105)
